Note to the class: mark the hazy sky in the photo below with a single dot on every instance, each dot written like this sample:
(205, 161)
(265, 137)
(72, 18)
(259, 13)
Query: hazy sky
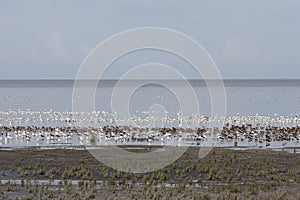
(246, 39)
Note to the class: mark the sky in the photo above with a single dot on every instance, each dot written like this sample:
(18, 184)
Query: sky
(49, 39)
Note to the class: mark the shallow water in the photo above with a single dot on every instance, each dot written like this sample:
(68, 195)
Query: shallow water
(273, 98)
(244, 97)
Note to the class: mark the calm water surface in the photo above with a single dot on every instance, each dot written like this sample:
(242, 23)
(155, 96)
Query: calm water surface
(244, 97)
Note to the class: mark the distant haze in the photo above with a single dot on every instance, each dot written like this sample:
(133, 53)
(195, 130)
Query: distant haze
(247, 39)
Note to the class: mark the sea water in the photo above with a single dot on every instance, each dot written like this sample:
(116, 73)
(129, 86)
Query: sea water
(243, 98)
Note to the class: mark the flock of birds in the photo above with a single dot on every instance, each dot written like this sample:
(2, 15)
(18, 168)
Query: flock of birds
(44, 128)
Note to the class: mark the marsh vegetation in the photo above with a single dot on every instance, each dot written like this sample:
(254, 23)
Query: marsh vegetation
(223, 174)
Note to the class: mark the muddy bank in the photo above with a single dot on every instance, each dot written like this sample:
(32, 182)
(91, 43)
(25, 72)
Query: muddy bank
(223, 173)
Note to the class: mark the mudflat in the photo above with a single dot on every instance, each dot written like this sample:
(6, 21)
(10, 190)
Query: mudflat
(224, 173)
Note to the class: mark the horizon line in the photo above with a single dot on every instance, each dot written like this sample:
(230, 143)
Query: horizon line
(115, 79)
